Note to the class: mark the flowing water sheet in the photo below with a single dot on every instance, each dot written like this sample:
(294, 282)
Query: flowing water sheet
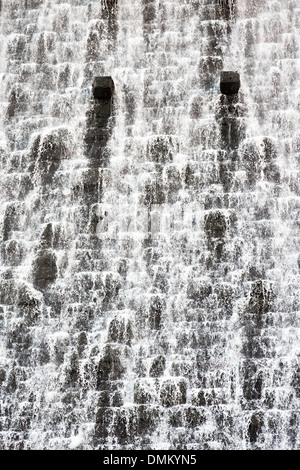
(149, 234)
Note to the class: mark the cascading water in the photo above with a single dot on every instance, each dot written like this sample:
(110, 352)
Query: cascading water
(149, 294)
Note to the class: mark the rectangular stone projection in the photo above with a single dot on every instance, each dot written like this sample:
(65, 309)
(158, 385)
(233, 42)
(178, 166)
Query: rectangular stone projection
(229, 82)
(103, 88)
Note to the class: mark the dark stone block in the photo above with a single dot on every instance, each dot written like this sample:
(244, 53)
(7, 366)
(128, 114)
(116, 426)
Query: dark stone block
(190, 178)
(200, 399)
(257, 346)
(19, 339)
(190, 417)
(72, 371)
(14, 252)
(44, 268)
(10, 220)
(272, 173)
(156, 309)
(226, 296)
(92, 46)
(125, 423)
(47, 236)
(230, 106)
(110, 366)
(255, 426)
(110, 398)
(31, 4)
(157, 367)
(60, 348)
(101, 112)
(53, 147)
(111, 4)
(94, 219)
(109, 12)
(64, 77)
(103, 88)
(161, 149)
(28, 304)
(296, 381)
(232, 132)
(104, 420)
(154, 191)
(82, 342)
(143, 394)
(173, 183)
(48, 153)
(82, 339)
(230, 83)
(44, 353)
(111, 289)
(193, 417)
(149, 13)
(70, 398)
(226, 176)
(99, 124)
(198, 290)
(116, 399)
(146, 419)
(120, 331)
(175, 418)
(173, 392)
(227, 3)
(140, 367)
(215, 224)
(130, 103)
(269, 149)
(7, 291)
(253, 383)
(208, 67)
(123, 267)
(13, 105)
(88, 187)
(41, 49)
(104, 399)
(12, 384)
(2, 375)
(261, 299)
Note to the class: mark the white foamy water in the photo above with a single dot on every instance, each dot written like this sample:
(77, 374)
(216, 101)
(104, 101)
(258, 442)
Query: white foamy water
(149, 247)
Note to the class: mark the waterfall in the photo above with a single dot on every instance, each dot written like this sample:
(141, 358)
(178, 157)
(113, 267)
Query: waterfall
(150, 250)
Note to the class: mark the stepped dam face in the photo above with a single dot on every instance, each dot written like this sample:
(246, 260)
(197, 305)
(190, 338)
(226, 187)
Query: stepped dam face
(149, 224)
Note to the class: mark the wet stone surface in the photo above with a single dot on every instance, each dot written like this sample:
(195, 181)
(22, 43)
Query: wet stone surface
(117, 336)
(44, 269)
(230, 83)
(110, 366)
(103, 88)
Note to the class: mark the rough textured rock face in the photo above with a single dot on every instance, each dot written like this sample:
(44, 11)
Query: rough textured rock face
(149, 219)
